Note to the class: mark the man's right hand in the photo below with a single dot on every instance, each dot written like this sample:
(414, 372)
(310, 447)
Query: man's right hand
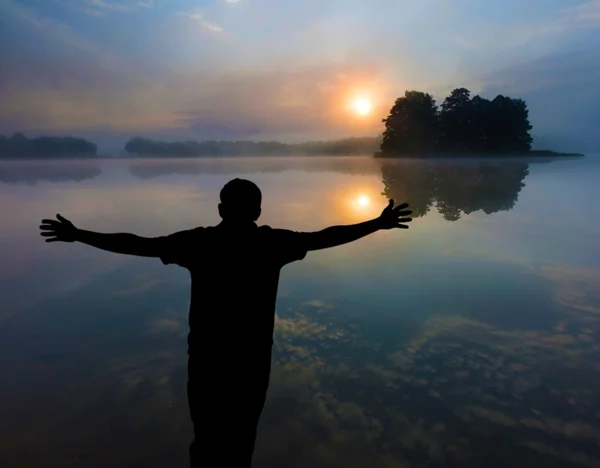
(58, 231)
(394, 217)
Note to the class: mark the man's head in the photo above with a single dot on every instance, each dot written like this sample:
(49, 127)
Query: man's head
(240, 201)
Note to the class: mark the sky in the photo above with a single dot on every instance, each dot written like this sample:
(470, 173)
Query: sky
(289, 70)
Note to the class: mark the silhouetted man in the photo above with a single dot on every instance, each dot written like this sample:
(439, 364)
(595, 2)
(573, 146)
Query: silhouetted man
(235, 272)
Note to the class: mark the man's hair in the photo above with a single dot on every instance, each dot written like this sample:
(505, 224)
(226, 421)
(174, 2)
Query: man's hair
(241, 198)
(240, 191)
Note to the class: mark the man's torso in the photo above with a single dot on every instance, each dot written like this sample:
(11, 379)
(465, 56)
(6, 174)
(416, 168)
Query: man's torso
(235, 275)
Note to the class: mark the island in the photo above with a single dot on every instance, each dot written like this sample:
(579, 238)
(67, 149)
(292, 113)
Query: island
(345, 147)
(21, 147)
(463, 126)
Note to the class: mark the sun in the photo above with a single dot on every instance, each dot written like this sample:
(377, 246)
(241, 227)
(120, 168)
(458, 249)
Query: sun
(362, 106)
(363, 200)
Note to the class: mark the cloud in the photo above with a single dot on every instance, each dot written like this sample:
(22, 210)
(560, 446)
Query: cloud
(467, 43)
(79, 86)
(212, 74)
(455, 373)
(82, 86)
(576, 288)
(202, 21)
(27, 21)
(586, 15)
(165, 326)
(561, 93)
(91, 12)
(279, 101)
(495, 417)
(102, 8)
(548, 34)
(335, 400)
(112, 6)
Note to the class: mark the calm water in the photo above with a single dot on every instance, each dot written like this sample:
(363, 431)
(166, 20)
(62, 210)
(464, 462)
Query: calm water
(472, 339)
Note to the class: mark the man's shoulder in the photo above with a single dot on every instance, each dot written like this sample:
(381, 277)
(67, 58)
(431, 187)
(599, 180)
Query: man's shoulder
(272, 232)
(288, 245)
(268, 229)
(197, 230)
(192, 233)
(279, 235)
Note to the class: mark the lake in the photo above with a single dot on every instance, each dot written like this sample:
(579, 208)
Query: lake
(470, 340)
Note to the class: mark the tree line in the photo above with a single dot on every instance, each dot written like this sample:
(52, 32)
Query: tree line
(346, 146)
(19, 145)
(462, 124)
(415, 126)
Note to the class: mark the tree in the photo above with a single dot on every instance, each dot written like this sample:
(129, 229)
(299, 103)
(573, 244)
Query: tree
(509, 121)
(462, 125)
(456, 122)
(143, 146)
(21, 146)
(17, 145)
(482, 127)
(411, 126)
(3, 145)
(347, 146)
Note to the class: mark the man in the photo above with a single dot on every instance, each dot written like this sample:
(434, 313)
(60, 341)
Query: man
(234, 268)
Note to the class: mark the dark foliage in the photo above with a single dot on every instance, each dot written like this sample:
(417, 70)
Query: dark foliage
(179, 148)
(18, 145)
(344, 147)
(460, 125)
(412, 124)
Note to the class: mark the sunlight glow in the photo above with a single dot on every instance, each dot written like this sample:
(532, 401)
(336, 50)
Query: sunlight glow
(362, 106)
(363, 200)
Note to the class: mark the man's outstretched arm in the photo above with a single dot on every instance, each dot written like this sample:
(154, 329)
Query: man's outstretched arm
(391, 218)
(62, 230)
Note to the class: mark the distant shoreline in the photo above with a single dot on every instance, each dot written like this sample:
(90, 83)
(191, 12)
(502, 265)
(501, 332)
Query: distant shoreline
(377, 155)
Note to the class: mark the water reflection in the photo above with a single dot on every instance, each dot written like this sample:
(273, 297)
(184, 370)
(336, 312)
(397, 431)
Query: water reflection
(148, 169)
(31, 173)
(460, 392)
(455, 188)
(451, 347)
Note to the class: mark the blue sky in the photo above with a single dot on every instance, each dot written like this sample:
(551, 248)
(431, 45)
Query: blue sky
(277, 69)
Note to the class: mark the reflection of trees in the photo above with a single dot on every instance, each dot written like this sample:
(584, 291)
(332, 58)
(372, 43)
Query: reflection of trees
(150, 170)
(31, 173)
(344, 165)
(454, 188)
